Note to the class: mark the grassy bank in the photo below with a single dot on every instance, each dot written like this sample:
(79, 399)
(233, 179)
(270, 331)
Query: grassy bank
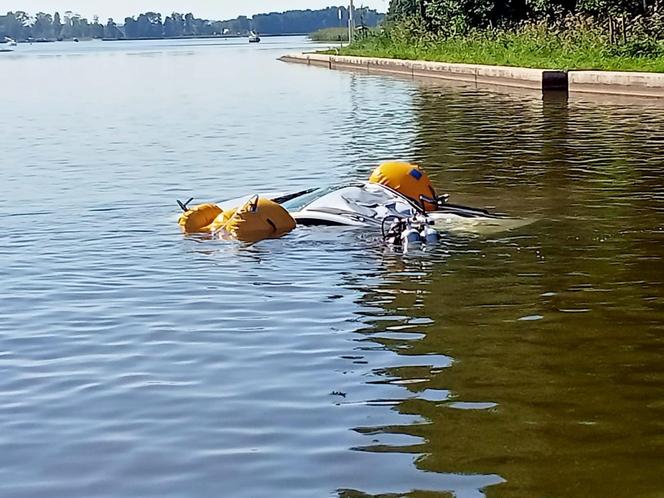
(330, 35)
(536, 45)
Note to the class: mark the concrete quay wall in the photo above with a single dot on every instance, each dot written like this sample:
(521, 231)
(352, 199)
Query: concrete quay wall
(607, 82)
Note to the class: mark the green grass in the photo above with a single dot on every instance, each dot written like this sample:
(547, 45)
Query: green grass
(534, 46)
(330, 35)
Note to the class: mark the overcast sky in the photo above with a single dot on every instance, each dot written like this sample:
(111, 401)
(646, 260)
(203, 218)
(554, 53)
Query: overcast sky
(208, 9)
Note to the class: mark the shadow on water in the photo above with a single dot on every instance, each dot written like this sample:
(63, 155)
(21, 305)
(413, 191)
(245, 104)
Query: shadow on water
(533, 355)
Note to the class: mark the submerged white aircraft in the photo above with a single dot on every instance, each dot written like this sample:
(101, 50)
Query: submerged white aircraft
(398, 199)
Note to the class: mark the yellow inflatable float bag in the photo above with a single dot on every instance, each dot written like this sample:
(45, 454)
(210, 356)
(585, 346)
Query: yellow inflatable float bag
(198, 219)
(259, 219)
(221, 220)
(409, 180)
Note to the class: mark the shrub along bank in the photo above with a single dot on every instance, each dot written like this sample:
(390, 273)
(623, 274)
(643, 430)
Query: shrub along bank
(569, 40)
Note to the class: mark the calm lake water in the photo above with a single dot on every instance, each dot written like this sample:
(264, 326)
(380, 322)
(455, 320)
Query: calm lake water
(135, 362)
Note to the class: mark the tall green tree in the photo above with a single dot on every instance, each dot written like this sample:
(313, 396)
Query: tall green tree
(189, 25)
(15, 25)
(42, 27)
(57, 25)
(111, 30)
(450, 16)
(96, 29)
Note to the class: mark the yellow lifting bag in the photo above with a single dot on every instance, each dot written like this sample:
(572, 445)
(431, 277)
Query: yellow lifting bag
(259, 219)
(199, 218)
(407, 179)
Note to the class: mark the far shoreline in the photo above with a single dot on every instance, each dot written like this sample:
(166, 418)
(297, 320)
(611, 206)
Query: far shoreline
(145, 38)
(206, 37)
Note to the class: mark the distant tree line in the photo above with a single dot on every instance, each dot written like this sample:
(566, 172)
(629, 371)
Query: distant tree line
(21, 26)
(308, 21)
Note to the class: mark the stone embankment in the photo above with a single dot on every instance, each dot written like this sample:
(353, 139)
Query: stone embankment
(607, 82)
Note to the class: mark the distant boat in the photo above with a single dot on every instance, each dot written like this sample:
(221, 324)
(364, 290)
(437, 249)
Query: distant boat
(7, 45)
(254, 38)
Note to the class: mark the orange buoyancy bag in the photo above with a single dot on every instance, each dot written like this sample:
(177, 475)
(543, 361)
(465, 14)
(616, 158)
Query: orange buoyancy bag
(407, 179)
(198, 219)
(258, 219)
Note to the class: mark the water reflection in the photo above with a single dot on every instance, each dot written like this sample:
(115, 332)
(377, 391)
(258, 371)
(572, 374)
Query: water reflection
(532, 355)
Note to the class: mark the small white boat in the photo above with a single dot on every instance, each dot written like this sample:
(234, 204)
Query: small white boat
(254, 38)
(7, 45)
